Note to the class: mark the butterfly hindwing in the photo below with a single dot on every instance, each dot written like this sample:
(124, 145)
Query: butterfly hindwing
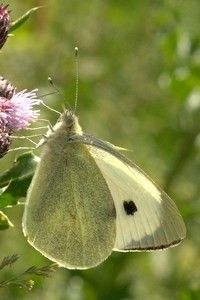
(69, 214)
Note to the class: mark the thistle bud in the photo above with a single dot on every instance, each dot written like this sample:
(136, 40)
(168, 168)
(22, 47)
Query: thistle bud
(7, 90)
(4, 24)
(4, 139)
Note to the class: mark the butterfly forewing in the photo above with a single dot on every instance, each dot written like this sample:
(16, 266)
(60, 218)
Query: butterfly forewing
(147, 218)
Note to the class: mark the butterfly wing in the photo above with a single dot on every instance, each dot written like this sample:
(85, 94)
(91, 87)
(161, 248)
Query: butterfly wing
(69, 213)
(147, 219)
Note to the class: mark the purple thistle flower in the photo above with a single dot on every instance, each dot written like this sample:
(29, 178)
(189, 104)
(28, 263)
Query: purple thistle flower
(17, 112)
(4, 24)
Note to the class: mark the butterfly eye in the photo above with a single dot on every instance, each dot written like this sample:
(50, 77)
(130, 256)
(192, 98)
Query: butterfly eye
(129, 207)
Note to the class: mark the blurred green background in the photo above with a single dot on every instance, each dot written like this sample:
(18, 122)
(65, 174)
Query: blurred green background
(139, 88)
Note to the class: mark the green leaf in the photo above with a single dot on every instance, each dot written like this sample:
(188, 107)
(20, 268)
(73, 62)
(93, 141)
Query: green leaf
(16, 24)
(16, 180)
(4, 221)
(24, 166)
(16, 189)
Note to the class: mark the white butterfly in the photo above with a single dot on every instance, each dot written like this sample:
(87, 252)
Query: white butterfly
(86, 199)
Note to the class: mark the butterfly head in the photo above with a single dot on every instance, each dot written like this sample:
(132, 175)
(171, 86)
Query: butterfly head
(68, 122)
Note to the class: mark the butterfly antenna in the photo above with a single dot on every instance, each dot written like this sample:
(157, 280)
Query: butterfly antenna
(53, 85)
(76, 83)
(57, 90)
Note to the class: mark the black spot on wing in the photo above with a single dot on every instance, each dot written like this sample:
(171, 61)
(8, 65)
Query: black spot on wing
(129, 207)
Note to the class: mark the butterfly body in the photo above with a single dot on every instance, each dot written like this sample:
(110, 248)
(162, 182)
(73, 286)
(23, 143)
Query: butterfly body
(86, 199)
